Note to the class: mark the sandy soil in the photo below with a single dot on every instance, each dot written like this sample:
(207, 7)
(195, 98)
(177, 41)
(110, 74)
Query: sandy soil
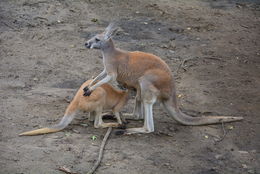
(43, 61)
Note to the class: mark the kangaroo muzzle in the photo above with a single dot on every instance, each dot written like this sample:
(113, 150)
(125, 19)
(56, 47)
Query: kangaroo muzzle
(87, 45)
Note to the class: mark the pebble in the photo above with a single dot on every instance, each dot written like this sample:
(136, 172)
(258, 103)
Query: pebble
(244, 166)
(219, 156)
(75, 131)
(171, 51)
(243, 152)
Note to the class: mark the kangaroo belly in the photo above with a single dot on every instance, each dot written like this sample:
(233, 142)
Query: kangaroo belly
(127, 78)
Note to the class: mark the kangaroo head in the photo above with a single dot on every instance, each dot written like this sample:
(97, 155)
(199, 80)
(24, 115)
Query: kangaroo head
(101, 41)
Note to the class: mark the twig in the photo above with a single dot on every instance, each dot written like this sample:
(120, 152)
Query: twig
(163, 133)
(39, 17)
(185, 60)
(244, 26)
(182, 64)
(214, 58)
(224, 133)
(8, 25)
(66, 170)
(32, 4)
(100, 155)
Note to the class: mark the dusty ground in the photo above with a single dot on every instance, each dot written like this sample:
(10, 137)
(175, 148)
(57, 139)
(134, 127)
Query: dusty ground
(43, 61)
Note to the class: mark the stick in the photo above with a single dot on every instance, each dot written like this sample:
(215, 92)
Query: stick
(224, 133)
(214, 58)
(182, 64)
(66, 170)
(8, 25)
(100, 155)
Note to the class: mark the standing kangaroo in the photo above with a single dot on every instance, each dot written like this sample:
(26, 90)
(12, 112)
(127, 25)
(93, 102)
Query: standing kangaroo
(149, 75)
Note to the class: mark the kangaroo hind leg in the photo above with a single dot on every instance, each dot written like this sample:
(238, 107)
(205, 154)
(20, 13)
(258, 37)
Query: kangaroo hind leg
(99, 123)
(148, 97)
(138, 109)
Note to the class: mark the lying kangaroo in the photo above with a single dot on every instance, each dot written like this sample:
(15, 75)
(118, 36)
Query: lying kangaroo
(149, 75)
(103, 97)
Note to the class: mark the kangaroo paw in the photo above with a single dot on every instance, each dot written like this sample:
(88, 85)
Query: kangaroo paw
(120, 132)
(87, 92)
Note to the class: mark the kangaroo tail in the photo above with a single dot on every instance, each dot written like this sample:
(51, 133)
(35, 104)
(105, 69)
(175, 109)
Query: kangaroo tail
(184, 119)
(61, 125)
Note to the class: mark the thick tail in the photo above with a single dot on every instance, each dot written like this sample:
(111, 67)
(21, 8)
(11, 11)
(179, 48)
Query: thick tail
(61, 125)
(184, 119)
(39, 131)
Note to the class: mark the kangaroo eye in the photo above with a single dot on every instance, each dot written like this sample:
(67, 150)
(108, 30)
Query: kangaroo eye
(97, 39)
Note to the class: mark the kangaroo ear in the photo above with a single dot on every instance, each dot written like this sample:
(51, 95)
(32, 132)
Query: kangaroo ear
(110, 31)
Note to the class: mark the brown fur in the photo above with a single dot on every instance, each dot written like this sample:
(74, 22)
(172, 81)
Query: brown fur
(104, 97)
(149, 75)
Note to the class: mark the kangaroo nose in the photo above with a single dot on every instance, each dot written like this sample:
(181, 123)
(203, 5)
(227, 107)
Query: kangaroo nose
(87, 45)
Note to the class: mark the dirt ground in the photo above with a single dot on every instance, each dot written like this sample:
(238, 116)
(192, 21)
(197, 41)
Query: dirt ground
(211, 46)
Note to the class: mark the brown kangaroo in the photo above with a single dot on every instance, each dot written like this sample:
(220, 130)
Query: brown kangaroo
(103, 97)
(149, 75)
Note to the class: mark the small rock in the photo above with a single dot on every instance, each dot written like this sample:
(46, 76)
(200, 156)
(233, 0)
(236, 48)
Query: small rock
(253, 151)
(214, 169)
(75, 131)
(243, 152)
(84, 125)
(67, 134)
(244, 166)
(219, 156)
(56, 137)
(16, 159)
(35, 79)
(171, 51)
(164, 46)
(166, 164)
(251, 171)
(231, 127)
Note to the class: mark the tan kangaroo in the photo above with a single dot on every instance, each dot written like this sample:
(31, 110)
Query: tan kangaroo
(149, 75)
(103, 97)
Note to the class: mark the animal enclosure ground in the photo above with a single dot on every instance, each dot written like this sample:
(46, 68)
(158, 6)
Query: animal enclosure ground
(211, 46)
